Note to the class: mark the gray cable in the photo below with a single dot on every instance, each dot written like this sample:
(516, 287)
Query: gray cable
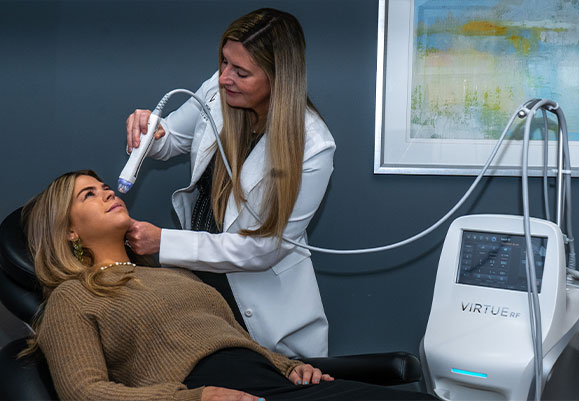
(364, 250)
(546, 166)
(567, 187)
(520, 109)
(532, 291)
(533, 296)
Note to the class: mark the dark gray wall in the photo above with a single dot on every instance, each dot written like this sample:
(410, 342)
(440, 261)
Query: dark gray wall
(71, 72)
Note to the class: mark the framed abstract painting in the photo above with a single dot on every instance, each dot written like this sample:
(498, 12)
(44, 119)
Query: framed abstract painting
(451, 73)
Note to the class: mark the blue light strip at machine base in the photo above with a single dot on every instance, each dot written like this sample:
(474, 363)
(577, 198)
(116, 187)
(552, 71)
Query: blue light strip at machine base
(469, 373)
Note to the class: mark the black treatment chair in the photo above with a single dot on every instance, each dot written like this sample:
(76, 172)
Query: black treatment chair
(29, 378)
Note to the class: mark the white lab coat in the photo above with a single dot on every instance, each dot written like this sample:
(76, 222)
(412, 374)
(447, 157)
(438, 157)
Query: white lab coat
(275, 286)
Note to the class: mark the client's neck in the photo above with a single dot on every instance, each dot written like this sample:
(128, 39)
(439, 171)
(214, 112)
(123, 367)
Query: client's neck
(107, 252)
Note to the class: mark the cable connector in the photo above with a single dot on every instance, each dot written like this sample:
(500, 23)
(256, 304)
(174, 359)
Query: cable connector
(526, 108)
(522, 113)
(565, 238)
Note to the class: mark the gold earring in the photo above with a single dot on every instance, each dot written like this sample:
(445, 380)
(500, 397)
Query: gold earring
(77, 249)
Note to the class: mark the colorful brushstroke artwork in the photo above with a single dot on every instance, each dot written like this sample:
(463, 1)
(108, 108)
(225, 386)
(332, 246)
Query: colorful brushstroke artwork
(475, 61)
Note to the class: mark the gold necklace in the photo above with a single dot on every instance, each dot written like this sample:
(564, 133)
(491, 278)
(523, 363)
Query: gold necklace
(117, 264)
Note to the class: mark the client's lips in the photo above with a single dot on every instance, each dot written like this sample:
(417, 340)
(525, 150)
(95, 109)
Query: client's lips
(114, 206)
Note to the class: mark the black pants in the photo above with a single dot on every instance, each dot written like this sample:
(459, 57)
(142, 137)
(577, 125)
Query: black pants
(248, 371)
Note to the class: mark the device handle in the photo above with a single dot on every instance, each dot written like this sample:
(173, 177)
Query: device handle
(129, 174)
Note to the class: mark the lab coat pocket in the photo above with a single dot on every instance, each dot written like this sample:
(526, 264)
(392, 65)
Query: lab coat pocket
(294, 258)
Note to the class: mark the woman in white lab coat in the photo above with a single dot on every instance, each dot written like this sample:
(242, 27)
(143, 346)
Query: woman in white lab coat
(281, 155)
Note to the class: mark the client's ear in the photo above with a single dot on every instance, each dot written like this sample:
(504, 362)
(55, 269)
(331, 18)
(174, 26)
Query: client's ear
(72, 235)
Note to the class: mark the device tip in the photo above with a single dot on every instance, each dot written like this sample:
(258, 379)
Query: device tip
(124, 186)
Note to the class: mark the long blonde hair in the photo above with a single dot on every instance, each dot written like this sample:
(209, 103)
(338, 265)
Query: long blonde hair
(275, 41)
(46, 220)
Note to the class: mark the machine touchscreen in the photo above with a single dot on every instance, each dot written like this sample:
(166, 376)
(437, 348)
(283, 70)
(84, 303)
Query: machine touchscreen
(498, 260)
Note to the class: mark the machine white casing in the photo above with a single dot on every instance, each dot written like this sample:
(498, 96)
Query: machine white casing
(494, 339)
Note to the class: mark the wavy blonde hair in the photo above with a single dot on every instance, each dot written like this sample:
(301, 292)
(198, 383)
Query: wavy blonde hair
(275, 41)
(46, 221)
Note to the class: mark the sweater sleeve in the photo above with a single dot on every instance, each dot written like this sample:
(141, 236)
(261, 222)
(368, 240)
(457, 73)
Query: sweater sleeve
(284, 364)
(70, 342)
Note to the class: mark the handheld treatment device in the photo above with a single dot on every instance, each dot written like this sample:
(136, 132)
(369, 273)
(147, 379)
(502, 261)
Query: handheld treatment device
(129, 174)
(477, 344)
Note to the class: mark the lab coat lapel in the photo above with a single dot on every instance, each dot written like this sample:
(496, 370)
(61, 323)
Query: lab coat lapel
(205, 153)
(252, 173)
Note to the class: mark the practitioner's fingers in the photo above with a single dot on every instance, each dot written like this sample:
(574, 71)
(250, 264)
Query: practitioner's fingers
(136, 125)
(160, 132)
(143, 238)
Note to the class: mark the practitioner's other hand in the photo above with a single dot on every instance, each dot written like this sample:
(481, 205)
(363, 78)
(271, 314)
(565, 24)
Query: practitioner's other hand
(211, 393)
(307, 374)
(143, 238)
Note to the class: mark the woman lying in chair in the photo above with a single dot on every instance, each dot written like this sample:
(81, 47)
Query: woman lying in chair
(112, 330)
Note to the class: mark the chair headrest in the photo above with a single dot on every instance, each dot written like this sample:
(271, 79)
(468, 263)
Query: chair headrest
(15, 259)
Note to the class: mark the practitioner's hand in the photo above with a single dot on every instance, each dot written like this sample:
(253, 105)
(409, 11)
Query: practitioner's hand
(137, 125)
(211, 393)
(143, 238)
(307, 374)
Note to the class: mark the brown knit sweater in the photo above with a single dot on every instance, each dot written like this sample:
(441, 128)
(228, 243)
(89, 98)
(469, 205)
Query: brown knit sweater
(141, 343)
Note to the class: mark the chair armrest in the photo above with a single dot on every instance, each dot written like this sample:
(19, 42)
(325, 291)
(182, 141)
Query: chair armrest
(383, 368)
(27, 378)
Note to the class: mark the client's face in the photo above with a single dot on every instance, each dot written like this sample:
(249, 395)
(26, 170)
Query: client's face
(96, 211)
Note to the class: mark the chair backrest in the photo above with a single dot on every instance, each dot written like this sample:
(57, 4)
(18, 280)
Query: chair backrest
(25, 378)
(20, 291)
